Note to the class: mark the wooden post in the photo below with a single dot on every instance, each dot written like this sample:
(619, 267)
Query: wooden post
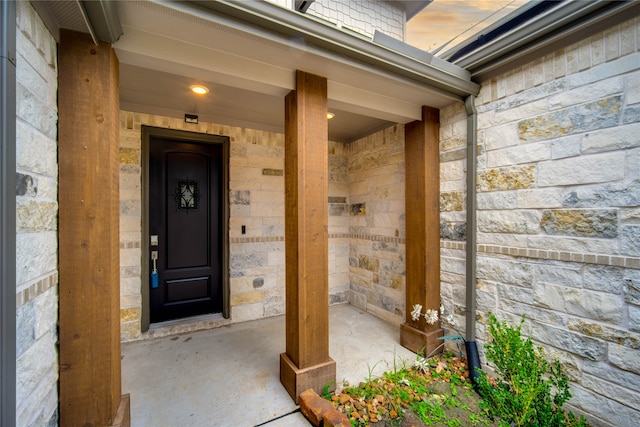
(306, 363)
(422, 192)
(88, 108)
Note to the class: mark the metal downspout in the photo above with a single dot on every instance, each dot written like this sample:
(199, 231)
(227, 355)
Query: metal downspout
(473, 359)
(7, 213)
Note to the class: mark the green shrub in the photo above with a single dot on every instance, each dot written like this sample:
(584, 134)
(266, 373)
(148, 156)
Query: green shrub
(529, 391)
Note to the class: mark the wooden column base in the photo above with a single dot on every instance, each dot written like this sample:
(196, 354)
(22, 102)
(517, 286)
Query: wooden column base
(420, 342)
(316, 377)
(123, 416)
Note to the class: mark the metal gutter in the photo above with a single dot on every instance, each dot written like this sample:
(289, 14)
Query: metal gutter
(473, 358)
(7, 213)
(502, 46)
(454, 81)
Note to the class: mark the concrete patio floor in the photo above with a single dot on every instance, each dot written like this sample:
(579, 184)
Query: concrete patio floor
(229, 376)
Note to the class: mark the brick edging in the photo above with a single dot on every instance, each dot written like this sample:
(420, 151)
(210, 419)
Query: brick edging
(551, 255)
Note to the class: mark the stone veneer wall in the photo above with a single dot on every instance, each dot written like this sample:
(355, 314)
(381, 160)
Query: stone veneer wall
(363, 17)
(377, 223)
(37, 222)
(558, 214)
(256, 193)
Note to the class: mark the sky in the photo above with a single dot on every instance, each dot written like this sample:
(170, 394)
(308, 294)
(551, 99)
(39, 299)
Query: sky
(443, 20)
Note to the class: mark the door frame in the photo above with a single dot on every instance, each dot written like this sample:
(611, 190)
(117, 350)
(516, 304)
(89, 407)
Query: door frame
(149, 132)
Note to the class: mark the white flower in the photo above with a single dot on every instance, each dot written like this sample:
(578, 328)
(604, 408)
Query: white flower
(441, 309)
(421, 364)
(431, 316)
(416, 312)
(405, 382)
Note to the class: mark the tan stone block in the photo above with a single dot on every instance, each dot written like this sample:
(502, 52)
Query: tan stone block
(130, 314)
(129, 156)
(247, 298)
(510, 178)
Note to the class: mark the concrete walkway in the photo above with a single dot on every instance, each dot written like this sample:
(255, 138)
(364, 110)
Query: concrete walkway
(229, 376)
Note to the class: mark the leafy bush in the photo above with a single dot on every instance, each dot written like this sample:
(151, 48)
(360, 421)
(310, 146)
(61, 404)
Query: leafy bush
(529, 390)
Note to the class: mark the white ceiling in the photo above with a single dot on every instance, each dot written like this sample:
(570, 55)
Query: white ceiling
(248, 59)
(249, 71)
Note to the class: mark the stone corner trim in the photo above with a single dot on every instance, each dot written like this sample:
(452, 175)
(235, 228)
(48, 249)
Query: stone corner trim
(585, 258)
(36, 289)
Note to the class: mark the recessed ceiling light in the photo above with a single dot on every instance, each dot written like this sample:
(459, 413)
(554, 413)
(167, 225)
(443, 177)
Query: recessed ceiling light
(199, 89)
(330, 116)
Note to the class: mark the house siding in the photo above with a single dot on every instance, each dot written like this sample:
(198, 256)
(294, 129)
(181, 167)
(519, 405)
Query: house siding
(36, 222)
(256, 200)
(558, 217)
(362, 17)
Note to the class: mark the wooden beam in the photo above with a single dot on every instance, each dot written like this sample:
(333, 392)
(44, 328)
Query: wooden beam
(88, 141)
(422, 205)
(306, 363)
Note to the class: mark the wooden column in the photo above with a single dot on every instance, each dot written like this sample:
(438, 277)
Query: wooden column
(422, 192)
(89, 334)
(306, 363)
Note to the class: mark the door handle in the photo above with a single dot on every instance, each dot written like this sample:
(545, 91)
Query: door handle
(154, 272)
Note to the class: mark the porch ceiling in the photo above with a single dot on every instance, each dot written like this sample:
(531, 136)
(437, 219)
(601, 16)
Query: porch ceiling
(249, 68)
(246, 53)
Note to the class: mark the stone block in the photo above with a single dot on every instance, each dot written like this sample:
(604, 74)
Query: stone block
(581, 118)
(497, 200)
(581, 222)
(582, 170)
(452, 171)
(631, 287)
(36, 215)
(511, 178)
(569, 146)
(612, 373)
(129, 156)
(46, 308)
(453, 230)
(604, 332)
(603, 278)
(589, 348)
(621, 194)
(502, 136)
(34, 366)
(247, 298)
(562, 275)
(632, 86)
(451, 201)
(33, 110)
(527, 153)
(507, 272)
(617, 138)
(515, 222)
(607, 412)
(25, 327)
(36, 255)
(634, 318)
(599, 306)
(26, 185)
(625, 358)
(594, 91)
(630, 240)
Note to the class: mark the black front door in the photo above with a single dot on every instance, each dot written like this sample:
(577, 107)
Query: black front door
(185, 228)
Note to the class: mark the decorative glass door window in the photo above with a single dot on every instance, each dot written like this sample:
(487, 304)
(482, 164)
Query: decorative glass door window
(187, 195)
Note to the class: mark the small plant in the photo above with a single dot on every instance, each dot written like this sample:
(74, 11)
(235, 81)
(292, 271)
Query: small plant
(326, 393)
(530, 391)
